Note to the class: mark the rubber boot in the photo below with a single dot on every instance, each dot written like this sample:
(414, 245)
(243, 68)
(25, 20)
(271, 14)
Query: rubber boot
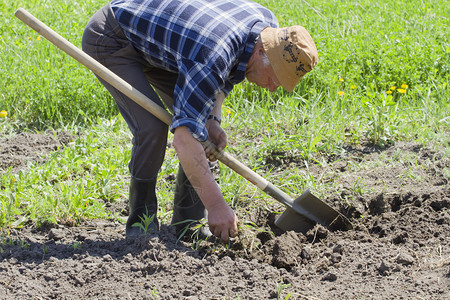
(188, 209)
(142, 204)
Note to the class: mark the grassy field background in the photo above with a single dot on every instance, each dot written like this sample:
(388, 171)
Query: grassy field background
(383, 76)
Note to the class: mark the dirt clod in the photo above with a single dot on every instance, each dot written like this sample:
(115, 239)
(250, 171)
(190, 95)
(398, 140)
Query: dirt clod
(329, 277)
(55, 234)
(317, 233)
(384, 268)
(405, 259)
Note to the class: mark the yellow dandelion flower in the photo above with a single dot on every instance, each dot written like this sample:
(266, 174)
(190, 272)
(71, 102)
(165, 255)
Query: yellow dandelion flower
(340, 93)
(353, 87)
(341, 80)
(3, 114)
(401, 91)
(404, 86)
(29, 37)
(38, 38)
(389, 92)
(393, 88)
(228, 111)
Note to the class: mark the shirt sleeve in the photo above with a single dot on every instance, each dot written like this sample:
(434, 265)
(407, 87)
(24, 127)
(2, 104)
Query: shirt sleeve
(195, 93)
(228, 87)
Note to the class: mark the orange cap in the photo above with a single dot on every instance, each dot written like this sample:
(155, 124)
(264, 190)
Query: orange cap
(291, 52)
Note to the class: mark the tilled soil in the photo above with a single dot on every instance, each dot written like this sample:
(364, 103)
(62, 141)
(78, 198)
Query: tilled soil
(398, 249)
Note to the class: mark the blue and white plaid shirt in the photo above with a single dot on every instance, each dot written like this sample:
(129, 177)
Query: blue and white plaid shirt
(207, 42)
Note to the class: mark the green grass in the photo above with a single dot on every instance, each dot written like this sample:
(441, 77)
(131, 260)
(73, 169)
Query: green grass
(42, 86)
(365, 48)
(73, 184)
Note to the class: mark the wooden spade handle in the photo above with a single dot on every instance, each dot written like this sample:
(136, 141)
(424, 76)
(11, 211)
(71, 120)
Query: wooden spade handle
(145, 102)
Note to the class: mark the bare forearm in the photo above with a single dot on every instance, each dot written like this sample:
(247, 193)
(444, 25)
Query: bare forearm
(192, 158)
(221, 218)
(217, 110)
(216, 134)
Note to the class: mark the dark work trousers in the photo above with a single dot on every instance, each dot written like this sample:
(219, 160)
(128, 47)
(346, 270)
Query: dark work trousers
(104, 40)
